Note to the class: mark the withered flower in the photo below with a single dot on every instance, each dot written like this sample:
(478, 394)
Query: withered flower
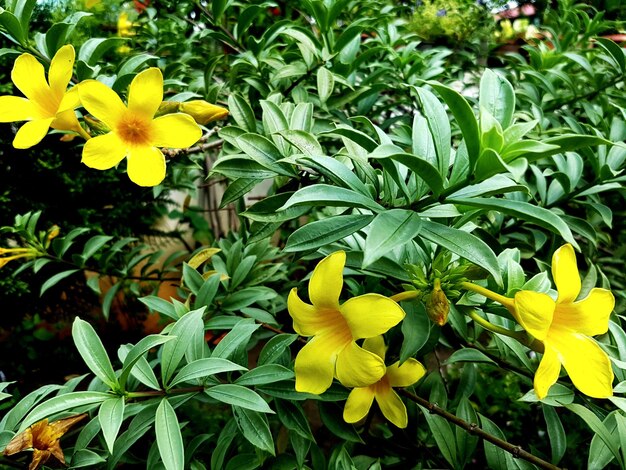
(43, 438)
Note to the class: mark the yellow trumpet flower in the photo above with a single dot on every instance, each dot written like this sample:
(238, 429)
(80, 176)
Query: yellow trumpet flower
(47, 104)
(564, 327)
(135, 133)
(361, 398)
(333, 352)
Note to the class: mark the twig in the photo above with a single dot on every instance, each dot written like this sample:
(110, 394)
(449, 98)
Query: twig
(473, 428)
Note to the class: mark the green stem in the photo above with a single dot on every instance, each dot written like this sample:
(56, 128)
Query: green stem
(506, 301)
(487, 325)
(407, 295)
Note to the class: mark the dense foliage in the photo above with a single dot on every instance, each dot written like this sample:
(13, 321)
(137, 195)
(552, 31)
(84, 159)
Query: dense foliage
(317, 234)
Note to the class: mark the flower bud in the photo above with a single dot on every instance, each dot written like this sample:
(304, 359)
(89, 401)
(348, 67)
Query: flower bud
(203, 112)
(437, 304)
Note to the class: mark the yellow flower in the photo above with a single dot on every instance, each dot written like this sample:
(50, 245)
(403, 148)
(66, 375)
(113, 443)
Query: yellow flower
(203, 112)
(361, 398)
(134, 131)
(43, 438)
(333, 352)
(564, 327)
(16, 253)
(124, 25)
(48, 104)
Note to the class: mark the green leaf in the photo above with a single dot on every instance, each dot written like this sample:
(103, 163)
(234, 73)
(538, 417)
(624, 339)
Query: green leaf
(326, 231)
(468, 355)
(60, 403)
(202, 368)
(333, 420)
(358, 137)
(247, 297)
(238, 336)
(556, 433)
(137, 352)
(85, 458)
(421, 167)
(416, 328)
(464, 245)
(13, 27)
(255, 428)
(525, 211)
(389, 230)
(264, 152)
(598, 428)
(168, 437)
(110, 417)
(444, 437)
(275, 347)
(241, 112)
(268, 209)
(160, 305)
(55, 279)
(439, 125)
(93, 49)
(465, 442)
(326, 195)
(335, 171)
(464, 116)
(615, 51)
(265, 374)
(498, 97)
(293, 418)
(173, 351)
(497, 458)
(303, 141)
(93, 353)
(325, 83)
(239, 396)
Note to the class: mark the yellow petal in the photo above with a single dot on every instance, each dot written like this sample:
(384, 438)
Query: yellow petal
(28, 75)
(589, 316)
(327, 281)
(307, 320)
(146, 92)
(175, 131)
(376, 344)
(146, 166)
(103, 152)
(102, 102)
(31, 133)
(565, 273)
(586, 363)
(15, 108)
(357, 367)
(534, 311)
(392, 406)
(406, 374)
(61, 69)
(70, 100)
(547, 373)
(358, 404)
(66, 121)
(371, 315)
(315, 365)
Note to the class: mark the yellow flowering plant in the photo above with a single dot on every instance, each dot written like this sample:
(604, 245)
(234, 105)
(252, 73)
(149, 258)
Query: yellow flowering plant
(325, 205)
(564, 327)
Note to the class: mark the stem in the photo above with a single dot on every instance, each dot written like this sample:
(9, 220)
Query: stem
(473, 428)
(407, 295)
(506, 301)
(487, 325)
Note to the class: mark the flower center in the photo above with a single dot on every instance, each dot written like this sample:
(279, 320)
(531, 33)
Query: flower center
(134, 130)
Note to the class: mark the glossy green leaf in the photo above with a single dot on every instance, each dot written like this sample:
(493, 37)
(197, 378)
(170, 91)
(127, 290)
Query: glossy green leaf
(110, 417)
(323, 232)
(202, 368)
(93, 353)
(137, 352)
(265, 374)
(255, 428)
(173, 351)
(326, 195)
(463, 244)
(389, 230)
(239, 396)
(497, 97)
(54, 280)
(60, 403)
(556, 433)
(168, 437)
